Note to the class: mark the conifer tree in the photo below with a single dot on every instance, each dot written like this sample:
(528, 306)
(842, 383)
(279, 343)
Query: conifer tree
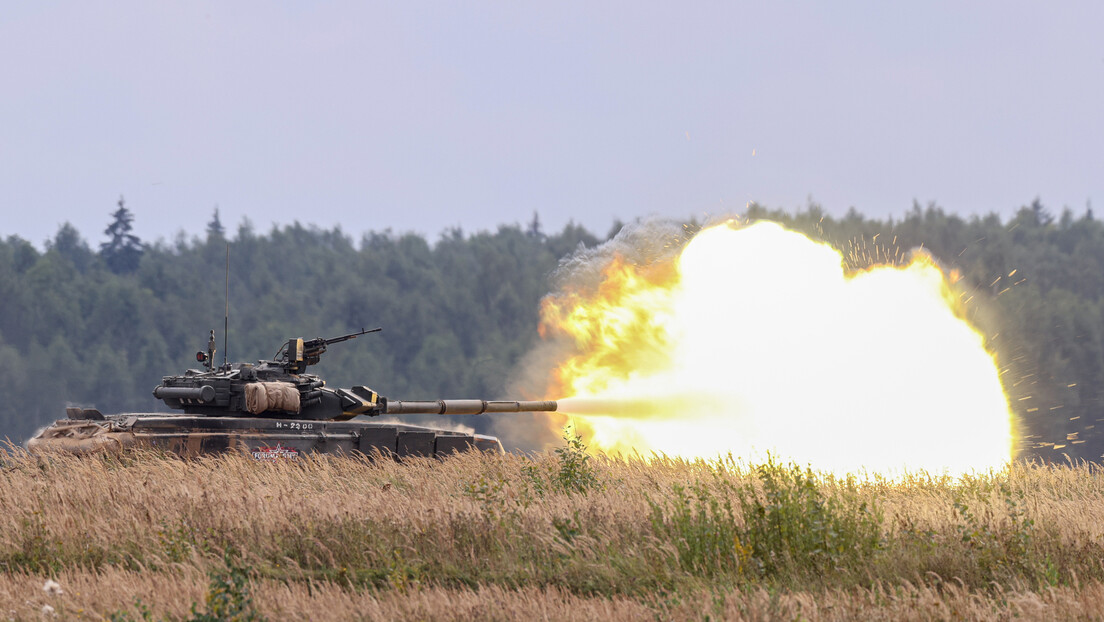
(534, 229)
(215, 228)
(123, 250)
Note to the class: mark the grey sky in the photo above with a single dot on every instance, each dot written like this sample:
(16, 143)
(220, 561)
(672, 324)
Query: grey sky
(421, 116)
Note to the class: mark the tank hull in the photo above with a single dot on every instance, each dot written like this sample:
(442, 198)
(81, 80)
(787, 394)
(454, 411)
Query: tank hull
(262, 438)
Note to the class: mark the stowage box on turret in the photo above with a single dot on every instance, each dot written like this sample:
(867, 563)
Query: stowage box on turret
(273, 410)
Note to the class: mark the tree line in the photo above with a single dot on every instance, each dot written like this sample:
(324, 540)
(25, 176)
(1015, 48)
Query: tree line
(100, 327)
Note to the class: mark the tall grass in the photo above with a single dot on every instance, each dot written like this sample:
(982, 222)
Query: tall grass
(628, 535)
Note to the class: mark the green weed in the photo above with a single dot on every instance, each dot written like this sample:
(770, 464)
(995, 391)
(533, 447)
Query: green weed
(576, 473)
(794, 522)
(704, 529)
(144, 614)
(573, 471)
(782, 521)
(228, 598)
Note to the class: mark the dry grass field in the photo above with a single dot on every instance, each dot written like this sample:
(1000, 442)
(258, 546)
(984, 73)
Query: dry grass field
(558, 536)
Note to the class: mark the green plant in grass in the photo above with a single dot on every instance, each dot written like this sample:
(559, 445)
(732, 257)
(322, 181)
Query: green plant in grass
(794, 522)
(782, 521)
(144, 614)
(704, 530)
(577, 473)
(228, 598)
(572, 473)
(1008, 547)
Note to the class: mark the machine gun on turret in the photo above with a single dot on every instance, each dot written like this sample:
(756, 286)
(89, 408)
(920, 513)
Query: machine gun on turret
(297, 354)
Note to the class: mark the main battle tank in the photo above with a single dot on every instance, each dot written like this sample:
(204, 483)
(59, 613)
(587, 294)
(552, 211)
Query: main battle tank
(273, 410)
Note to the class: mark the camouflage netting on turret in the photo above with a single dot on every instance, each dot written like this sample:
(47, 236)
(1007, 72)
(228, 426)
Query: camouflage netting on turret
(262, 396)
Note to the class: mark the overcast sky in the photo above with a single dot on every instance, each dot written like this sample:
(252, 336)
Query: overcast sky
(420, 116)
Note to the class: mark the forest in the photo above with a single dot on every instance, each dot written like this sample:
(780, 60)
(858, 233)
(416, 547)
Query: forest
(99, 324)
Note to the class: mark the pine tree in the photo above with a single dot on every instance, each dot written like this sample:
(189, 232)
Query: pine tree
(215, 228)
(534, 229)
(123, 250)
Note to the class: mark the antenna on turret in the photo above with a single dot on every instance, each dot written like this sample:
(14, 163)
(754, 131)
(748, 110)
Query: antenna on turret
(226, 323)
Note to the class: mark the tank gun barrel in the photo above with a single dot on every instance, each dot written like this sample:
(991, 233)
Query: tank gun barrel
(465, 407)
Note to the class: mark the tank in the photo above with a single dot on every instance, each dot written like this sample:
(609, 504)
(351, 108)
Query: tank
(274, 410)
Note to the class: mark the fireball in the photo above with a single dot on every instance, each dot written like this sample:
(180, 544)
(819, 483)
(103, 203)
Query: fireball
(756, 339)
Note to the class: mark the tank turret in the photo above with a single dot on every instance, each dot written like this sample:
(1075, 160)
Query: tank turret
(279, 387)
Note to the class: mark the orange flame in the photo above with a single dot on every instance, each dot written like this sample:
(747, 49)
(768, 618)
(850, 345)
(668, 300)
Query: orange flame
(757, 339)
